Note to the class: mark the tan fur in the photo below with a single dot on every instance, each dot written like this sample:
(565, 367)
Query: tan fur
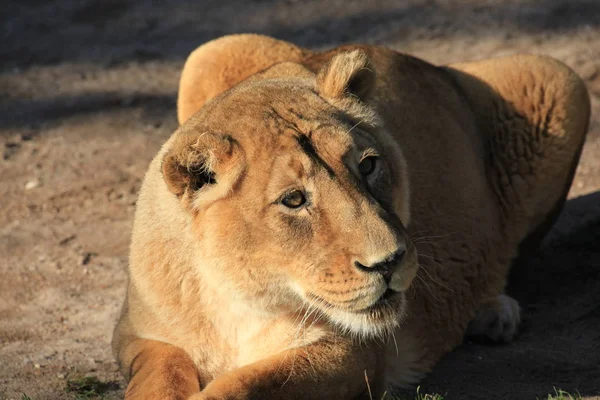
(234, 294)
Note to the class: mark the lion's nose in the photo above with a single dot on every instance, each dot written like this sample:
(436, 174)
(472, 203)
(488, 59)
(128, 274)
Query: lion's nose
(385, 267)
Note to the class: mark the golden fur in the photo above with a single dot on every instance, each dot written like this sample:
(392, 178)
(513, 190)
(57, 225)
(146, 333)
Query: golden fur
(322, 216)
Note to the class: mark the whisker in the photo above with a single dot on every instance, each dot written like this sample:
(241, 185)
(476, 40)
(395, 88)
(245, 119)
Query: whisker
(413, 238)
(432, 258)
(428, 288)
(433, 279)
(355, 125)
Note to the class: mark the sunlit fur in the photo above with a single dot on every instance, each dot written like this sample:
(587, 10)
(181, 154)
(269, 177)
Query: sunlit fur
(315, 247)
(232, 293)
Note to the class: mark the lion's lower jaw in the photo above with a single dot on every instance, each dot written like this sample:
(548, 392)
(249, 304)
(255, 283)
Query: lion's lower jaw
(375, 324)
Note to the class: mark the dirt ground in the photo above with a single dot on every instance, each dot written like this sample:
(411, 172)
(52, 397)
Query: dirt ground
(87, 96)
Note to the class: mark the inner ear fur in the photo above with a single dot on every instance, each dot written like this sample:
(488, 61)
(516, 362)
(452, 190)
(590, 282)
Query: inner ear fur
(202, 168)
(348, 73)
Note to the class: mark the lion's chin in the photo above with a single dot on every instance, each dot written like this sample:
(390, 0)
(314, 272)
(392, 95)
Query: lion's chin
(376, 321)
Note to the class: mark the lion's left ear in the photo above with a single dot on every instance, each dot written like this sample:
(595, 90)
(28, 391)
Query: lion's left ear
(202, 168)
(348, 73)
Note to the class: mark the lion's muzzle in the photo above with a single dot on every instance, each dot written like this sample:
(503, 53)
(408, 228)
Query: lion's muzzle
(385, 267)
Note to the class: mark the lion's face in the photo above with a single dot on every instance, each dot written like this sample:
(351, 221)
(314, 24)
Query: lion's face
(297, 201)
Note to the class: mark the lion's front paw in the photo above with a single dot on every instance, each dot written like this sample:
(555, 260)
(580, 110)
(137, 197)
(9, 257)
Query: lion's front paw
(498, 319)
(229, 386)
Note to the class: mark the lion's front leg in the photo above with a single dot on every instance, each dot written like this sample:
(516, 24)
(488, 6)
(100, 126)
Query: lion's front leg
(324, 370)
(158, 371)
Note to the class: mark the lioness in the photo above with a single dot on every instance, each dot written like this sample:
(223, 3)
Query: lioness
(321, 220)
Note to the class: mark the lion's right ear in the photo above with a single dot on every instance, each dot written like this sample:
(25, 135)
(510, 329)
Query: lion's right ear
(348, 73)
(222, 63)
(200, 169)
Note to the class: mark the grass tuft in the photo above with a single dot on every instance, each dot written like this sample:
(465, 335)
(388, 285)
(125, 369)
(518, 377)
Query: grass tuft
(426, 396)
(89, 387)
(418, 396)
(562, 395)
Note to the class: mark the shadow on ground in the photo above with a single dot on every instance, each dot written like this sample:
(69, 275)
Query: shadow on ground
(559, 290)
(116, 31)
(28, 113)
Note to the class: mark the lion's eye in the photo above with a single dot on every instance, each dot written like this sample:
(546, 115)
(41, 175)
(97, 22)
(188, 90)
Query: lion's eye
(367, 165)
(295, 199)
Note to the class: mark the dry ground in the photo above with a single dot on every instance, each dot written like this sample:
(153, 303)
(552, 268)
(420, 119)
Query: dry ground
(87, 95)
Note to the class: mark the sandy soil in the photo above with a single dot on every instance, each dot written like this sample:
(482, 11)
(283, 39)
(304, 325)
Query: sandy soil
(87, 95)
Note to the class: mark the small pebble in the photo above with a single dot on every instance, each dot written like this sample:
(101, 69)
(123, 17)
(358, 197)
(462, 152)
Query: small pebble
(86, 258)
(32, 184)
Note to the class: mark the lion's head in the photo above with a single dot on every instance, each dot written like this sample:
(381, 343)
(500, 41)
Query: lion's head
(296, 197)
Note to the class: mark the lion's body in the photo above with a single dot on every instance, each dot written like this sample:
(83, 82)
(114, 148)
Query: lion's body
(480, 158)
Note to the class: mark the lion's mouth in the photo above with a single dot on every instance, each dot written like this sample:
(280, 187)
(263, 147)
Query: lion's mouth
(389, 298)
(378, 319)
(375, 320)
(388, 294)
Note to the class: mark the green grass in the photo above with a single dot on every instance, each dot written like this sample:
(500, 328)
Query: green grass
(422, 396)
(557, 395)
(418, 396)
(562, 395)
(89, 387)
